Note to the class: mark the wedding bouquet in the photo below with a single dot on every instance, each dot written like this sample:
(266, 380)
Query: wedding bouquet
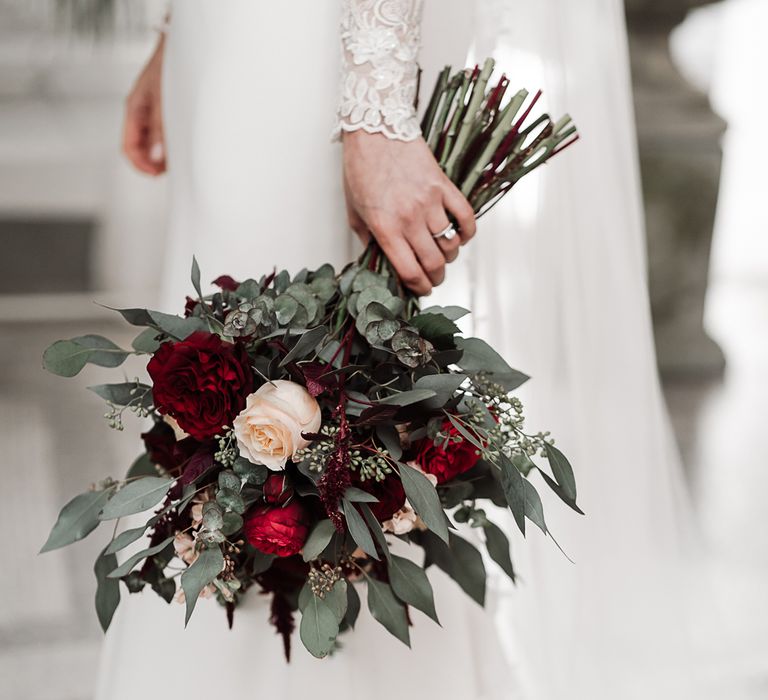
(303, 424)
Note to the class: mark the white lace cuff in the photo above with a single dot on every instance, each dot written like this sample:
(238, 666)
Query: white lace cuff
(379, 75)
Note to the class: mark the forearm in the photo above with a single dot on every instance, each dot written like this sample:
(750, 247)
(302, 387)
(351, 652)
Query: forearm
(380, 41)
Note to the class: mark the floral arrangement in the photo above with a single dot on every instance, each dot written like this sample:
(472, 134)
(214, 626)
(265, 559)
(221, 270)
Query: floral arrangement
(306, 429)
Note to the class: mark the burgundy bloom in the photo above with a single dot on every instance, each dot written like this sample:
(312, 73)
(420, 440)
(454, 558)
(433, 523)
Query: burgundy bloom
(449, 462)
(202, 382)
(390, 493)
(163, 449)
(276, 490)
(226, 283)
(278, 530)
(189, 306)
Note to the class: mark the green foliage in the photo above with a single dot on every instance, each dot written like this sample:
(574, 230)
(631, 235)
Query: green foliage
(358, 529)
(107, 589)
(136, 497)
(198, 575)
(67, 357)
(411, 585)
(77, 519)
(134, 559)
(424, 499)
(388, 610)
(318, 540)
(497, 544)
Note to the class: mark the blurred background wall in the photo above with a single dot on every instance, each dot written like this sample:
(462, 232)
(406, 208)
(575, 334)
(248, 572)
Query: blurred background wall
(77, 225)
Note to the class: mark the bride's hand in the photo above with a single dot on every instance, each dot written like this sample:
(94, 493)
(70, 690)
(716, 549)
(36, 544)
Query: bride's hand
(397, 192)
(143, 140)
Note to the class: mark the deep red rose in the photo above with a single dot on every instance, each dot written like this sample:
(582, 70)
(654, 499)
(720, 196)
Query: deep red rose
(202, 382)
(390, 493)
(447, 463)
(276, 490)
(278, 530)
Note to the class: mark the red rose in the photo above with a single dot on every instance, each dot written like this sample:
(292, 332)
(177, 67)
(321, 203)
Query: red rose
(281, 531)
(202, 382)
(276, 490)
(447, 463)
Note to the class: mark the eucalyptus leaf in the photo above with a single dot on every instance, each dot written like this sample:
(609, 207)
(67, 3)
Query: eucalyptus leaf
(434, 327)
(424, 499)
(77, 519)
(125, 394)
(318, 540)
(534, 509)
(286, 308)
(319, 627)
(514, 490)
(253, 474)
(146, 341)
(336, 599)
(562, 471)
(468, 569)
(198, 575)
(305, 345)
(390, 438)
(478, 356)
(231, 500)
(195, 277)
(388, 610)
(356, 495)
(142, 466)
(406, 398)
(454, 313)
(497, 544)
(358, 529)
(559, 492)
(410, 583)
(444, 386)
(67, 357)
(136, 497)
(124, 539)
(107, 590)
(129, 563)
(213, 516)
(176, 327)
(353, 605)
(375, 528)
(233, 522)
(229, 480)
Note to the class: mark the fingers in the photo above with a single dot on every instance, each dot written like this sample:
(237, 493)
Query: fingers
(437, 221)
(400, 253)
(428, 253)
(456, 203)
(156, 140)
(143, 142)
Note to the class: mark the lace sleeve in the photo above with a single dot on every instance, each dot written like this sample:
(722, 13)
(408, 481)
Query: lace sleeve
(380, 43)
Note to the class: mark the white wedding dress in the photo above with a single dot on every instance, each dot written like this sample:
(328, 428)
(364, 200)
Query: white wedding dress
(556, 280)
(250, 92)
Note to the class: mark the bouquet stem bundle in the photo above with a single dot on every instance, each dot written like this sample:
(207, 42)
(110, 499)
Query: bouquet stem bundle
(483, 145)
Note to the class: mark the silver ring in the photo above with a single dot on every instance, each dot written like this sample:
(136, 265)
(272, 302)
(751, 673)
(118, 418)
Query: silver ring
(448, 233)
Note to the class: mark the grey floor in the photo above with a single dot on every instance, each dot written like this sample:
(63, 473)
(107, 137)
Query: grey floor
(53, 442)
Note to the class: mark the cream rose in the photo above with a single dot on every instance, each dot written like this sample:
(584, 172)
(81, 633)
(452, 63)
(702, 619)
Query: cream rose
(269, 428)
